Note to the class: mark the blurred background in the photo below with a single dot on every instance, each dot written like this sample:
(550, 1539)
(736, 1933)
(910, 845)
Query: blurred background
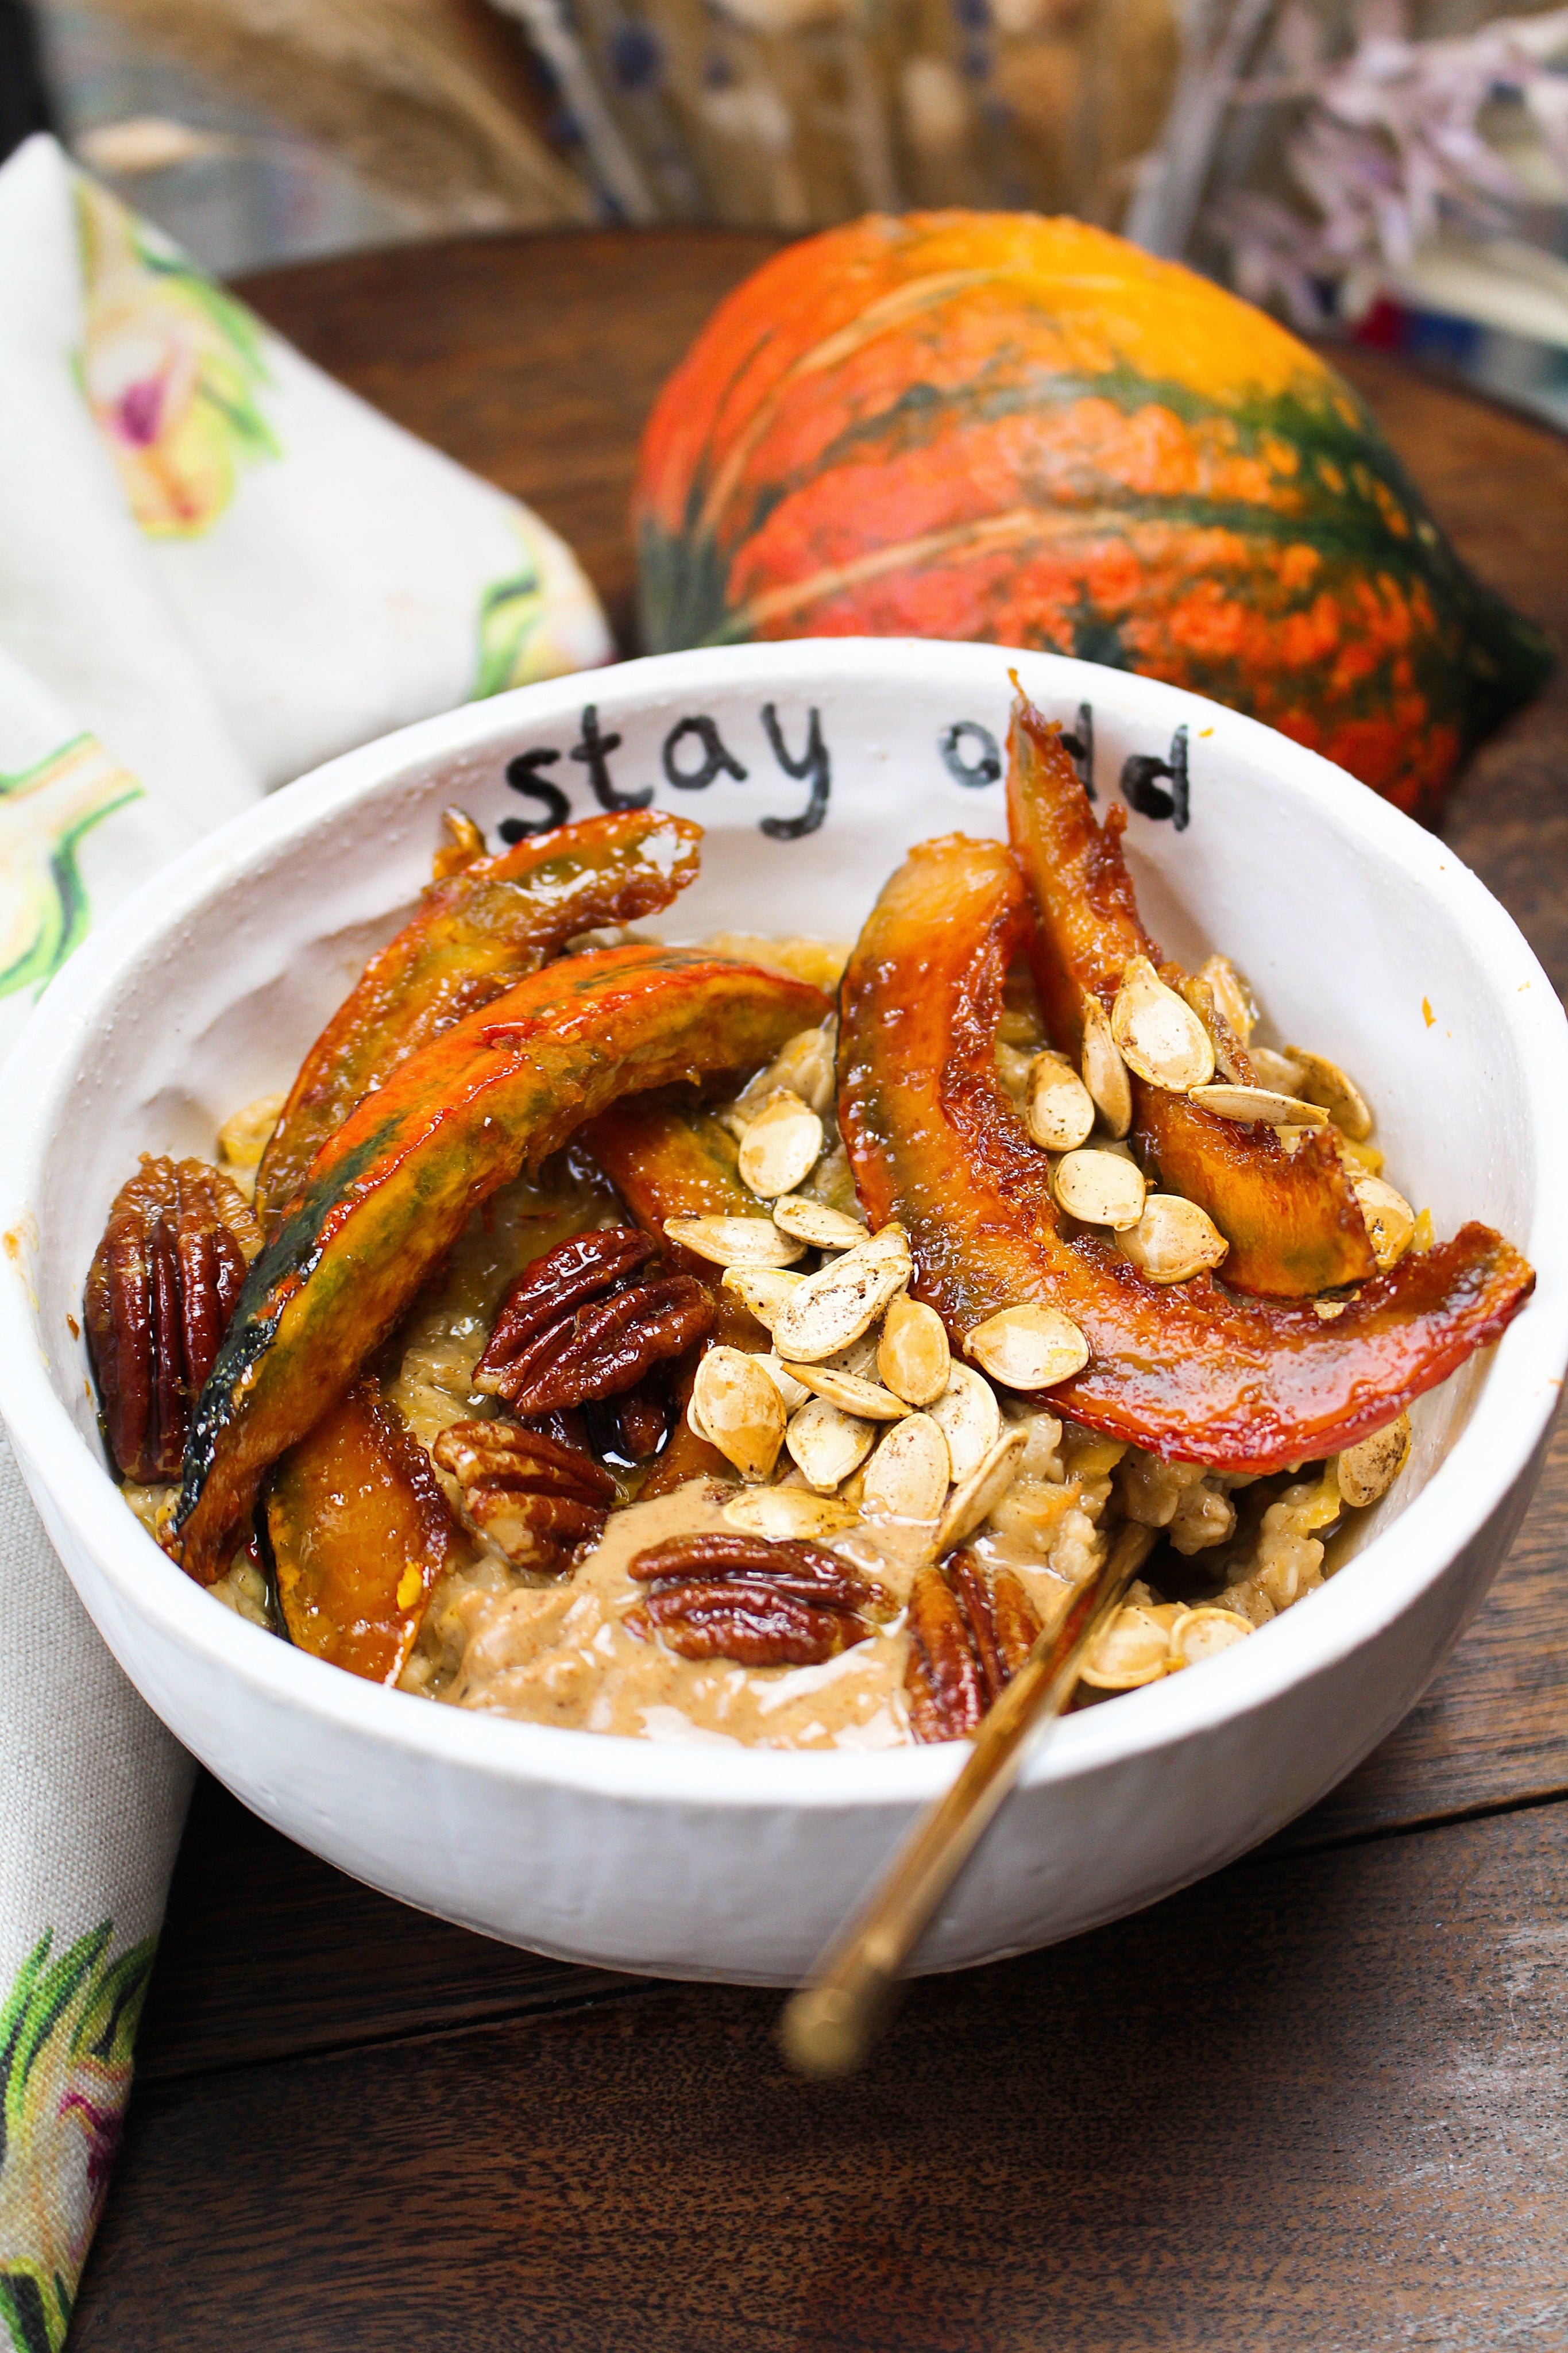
(1391, 170)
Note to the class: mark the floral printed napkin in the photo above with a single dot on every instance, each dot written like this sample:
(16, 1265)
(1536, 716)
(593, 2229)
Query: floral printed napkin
(216, 568)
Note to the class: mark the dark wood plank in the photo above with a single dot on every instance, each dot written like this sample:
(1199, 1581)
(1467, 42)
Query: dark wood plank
(1316, 2103)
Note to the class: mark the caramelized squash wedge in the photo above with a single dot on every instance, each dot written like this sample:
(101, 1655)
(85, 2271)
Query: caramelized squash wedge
(666, 1162)
(360, 1534)
(1293, 1222)
(391, 1190)
(478, 931)
(1192, 1370)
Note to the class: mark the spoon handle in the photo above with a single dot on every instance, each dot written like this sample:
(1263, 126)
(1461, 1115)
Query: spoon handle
(828, 2027)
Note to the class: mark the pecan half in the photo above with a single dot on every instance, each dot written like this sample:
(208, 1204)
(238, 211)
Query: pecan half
(160, 1293)
(573, 1327)
(969, 1631)
(527, 1497)
(761, 1603)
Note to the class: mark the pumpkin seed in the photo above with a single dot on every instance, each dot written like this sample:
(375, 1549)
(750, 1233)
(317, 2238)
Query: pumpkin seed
(1172, 1240)
(804, 1065)
(793, 1393)
(848, 1392)
(843, 1299)
(815, 1222)
(735, 1241)
(761, 1290)
(783, 1513)
(1104, 1072)
(913, 1355)
(1029, 1348)
(1259, 1102)
(1276, 1071)
(1232, 994)
(1059, 1110)
(1134, 1649)
(977, 1496)
(827, 1445)
(781, 1147)
(1369, 1469)
(1324, 1082)
(1101, 1188)
(739, 1410)
(1390, 1220)
(907, 1478)
(1202, 1634)
(969, 1418)
(859, 1358)
(1161, 1037)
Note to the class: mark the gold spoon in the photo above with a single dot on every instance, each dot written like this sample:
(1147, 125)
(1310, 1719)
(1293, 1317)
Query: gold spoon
(829, 2026)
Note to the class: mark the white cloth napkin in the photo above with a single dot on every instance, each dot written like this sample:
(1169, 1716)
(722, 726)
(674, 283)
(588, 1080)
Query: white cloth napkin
(216, 568)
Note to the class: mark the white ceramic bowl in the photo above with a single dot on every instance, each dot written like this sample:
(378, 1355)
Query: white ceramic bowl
(1364, 937)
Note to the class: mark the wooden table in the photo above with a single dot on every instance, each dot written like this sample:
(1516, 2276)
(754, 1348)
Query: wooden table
(1317, 2102)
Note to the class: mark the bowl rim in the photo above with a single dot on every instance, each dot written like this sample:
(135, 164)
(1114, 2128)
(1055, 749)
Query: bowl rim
(1508, 1420)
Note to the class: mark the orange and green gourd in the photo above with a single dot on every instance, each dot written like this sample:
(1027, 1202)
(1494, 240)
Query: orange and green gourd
(995, 426)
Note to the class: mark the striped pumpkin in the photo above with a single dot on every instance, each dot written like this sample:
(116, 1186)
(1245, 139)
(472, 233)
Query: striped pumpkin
(999, 427)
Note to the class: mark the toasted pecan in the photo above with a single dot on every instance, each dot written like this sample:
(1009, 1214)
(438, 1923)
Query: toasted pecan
(762, 1603)
(969, 1631)
(573, 1327)
(160, 1293)
(527, 1496)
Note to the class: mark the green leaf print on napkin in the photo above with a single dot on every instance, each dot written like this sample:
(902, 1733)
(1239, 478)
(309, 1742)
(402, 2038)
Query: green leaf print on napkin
(45, 812)
(170, 367)
(67, 2031)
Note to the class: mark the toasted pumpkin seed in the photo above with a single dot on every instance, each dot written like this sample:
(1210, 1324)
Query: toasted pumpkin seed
(1104, 1072)
(783, 1513)
(815, 1222)
(781, 1147)
(761, 1290)
(1232, 994)
(907, 1478)
(1259, 1102)
(1200, 1634)
(1369, 1469)
(969, 1418)
(848, 1392)
(843, 1299)
(1278, 1072)
(735, 1241)
(793, 1393)
(1172, 1240)
(1160, 1036)
(804, 1065)
(1390, 1220)
(1029, 1348)
(827, 1445)
(977, 1496)
(913, 1355)
(739, 1410)
(1101, 1188)
(1059, 1110)
(1134, 1649)
(1324, 1082)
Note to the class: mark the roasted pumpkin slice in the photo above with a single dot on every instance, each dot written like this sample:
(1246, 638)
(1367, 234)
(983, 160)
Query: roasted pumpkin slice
(478, 932)
(1293, 1222)
(391, 1190)
(360, 1534)
(1190, 1370)
(666, 1162)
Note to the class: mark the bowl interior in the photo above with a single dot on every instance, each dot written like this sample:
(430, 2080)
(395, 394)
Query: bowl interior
(813, 767)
